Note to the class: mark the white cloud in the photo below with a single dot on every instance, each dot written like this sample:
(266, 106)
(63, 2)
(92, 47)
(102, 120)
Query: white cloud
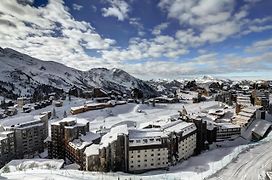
(198, 12)
(263, 45)
(136, 22)
(77, 7)
(49, 33)
(202, 65)
(157, 29)
(118, 8)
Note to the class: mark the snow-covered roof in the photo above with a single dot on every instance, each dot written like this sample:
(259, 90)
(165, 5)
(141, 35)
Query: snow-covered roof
(84, 141)
(261, 127)
(251, 109)
(246, 114)
(20, 120)
(178, 126)
(79, 144)
(243, 118)
(227, 125)
(113, 134)
(168, 126)
(77, 121)
(92, 150)
(76, 108)
(216, 111)
(146, 133)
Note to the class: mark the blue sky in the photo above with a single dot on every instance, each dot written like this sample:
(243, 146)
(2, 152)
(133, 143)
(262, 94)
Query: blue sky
(169, 39)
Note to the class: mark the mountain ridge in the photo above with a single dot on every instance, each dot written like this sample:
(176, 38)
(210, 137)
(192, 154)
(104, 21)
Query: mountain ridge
(21, 74)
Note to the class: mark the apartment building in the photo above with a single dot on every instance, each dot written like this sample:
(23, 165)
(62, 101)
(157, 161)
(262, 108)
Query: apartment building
(148, 149)
(227, 131)
(29, 132)
(182, 136)
(261, 98)
(247, 115)
(7, 146)
(154, 145)
(62, 133)
(242, 101)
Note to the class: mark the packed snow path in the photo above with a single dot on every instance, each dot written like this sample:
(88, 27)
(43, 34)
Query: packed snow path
(251, 165)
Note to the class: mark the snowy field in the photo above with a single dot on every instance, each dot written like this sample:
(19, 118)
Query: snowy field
(130, 113)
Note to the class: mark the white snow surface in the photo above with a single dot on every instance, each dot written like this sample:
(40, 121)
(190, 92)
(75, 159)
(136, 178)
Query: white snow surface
(25, 164)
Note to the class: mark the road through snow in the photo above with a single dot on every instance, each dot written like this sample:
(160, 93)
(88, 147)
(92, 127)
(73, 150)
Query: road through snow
(250, 165)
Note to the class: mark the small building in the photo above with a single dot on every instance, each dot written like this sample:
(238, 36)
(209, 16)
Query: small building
(99, 93)
(166, 100)
(26, 108)
(58, 103)
(93, 106)
(261, 130)
(247, 115)
(261, 98)
(2, 114)
(21, 101)
(11, 111)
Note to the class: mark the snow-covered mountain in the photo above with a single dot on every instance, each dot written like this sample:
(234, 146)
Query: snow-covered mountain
(166, 87)
(20, 74)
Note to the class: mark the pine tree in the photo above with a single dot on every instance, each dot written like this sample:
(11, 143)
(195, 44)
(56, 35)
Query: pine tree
(54, 113)
(64, 114)
(6, 169)
(153, 103)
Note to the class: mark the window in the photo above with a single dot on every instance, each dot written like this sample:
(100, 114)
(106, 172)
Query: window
(139, 156)
(138, 141)
(152, 154)
(145, 140)
(152, 164)
(139, 160)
